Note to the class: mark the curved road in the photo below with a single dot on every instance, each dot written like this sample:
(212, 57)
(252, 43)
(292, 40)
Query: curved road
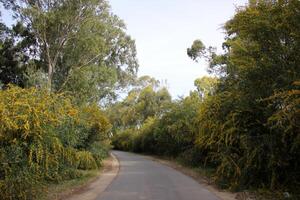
(142, 179)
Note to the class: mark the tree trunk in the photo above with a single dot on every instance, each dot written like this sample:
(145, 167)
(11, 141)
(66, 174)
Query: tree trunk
(50, 75)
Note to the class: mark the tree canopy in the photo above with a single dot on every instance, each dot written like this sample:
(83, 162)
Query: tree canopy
(81, 46)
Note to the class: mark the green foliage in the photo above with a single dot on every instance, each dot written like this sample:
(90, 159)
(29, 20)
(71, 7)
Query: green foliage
(197, 50)
(124, 140)
(206, 86)
(80, 47)
(146, 99)
(243, 126)
(170, 132)
(15, 51)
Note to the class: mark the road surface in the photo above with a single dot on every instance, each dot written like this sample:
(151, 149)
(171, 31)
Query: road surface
(142, 179)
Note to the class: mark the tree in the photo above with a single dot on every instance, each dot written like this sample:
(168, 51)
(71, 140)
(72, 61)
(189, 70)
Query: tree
(206, 86)
(197, 50)
(15, 51)
(145, 99)
(257, 75)
(81, 44)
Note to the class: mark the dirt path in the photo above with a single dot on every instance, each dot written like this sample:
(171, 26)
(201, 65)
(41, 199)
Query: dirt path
(97, 186)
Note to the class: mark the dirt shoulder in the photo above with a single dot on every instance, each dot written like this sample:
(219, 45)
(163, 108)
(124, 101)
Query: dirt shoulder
(94, 186)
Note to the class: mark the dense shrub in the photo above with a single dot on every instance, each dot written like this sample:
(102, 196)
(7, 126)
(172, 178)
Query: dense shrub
(171, 134)
(44, 137)
(124, 140)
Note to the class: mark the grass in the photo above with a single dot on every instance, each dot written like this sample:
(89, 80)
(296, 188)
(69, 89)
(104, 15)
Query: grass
(78, 182)
(59, 190)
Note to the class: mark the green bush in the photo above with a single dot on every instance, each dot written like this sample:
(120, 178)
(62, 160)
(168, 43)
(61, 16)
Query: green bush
(123, 140)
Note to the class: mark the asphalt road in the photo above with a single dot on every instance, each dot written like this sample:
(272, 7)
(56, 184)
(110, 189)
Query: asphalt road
(142, 179)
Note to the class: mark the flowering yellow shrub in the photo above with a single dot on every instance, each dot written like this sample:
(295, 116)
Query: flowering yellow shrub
(24, 113)
(35, 129)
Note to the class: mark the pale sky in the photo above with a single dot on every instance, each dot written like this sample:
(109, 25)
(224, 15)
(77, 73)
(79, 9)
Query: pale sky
(164, 29)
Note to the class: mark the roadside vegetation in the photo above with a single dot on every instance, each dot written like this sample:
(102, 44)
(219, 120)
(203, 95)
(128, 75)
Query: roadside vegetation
(44, 139)
(243, 120)
(61, 63)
